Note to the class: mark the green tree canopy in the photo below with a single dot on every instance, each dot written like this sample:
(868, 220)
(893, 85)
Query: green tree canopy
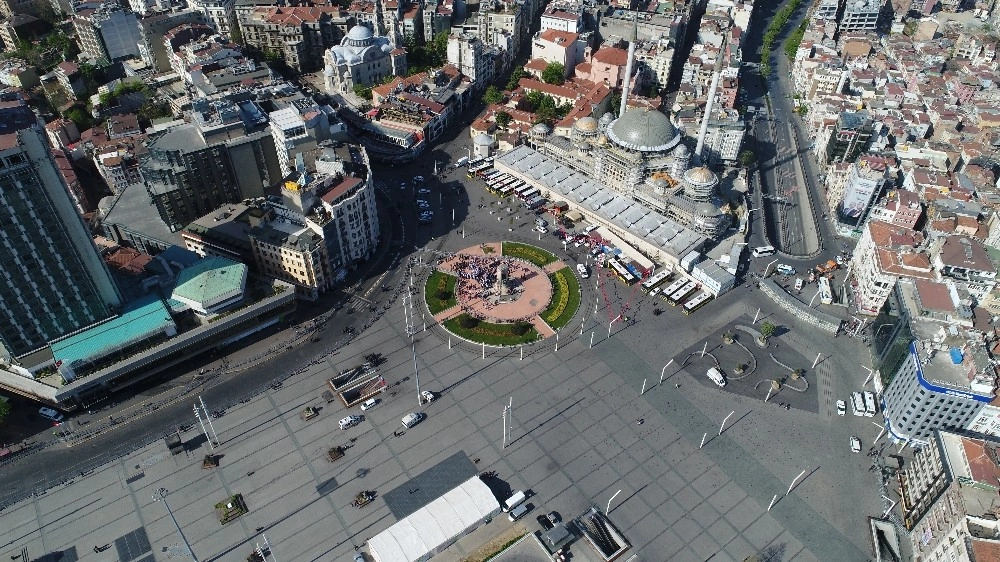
(503, 119)
(363, 92)
(492, 96)
(747, 157)
(515, 77)
(767, 329)
(554, 73)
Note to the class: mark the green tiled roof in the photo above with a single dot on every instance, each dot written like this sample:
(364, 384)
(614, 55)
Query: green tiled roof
(140, 319)
(209, 279)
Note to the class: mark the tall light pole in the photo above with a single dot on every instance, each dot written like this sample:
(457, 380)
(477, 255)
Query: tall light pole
(161, 496)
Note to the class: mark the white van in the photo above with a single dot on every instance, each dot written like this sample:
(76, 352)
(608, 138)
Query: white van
(514, 501)
(412, 419)
(761, 251)
(369, 404)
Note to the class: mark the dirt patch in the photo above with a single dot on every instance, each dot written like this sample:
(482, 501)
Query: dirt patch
(493, 546)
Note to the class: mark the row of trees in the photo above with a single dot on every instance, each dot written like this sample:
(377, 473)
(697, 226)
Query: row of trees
(771, 34)
(794, 40)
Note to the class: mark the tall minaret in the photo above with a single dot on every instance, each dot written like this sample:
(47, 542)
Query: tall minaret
(716, 75)
(628, 66)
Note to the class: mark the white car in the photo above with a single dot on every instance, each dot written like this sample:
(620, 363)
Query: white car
(423, 205)
(855, 444)
(541, 229)
(50, 414)
(369, 404)
(402, 185)
(841, 408)
(785, 269)
(418, 179)
(423, 191)
(427, 396)
(592, 228)
(582, 270)
(350, 421)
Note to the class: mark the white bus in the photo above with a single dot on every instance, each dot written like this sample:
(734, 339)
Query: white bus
(871, 407)
(684, 292)
(857, 404)
(825, 294)
(697, 302)
(673, 288)
(657, 279)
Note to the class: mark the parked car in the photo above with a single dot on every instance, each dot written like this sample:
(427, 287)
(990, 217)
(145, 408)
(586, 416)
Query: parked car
(412, 419)
(841, 408)
(544, 522)
(855, 444)
(350, 421)
(427, 396)
(541, 229)
(369, 404)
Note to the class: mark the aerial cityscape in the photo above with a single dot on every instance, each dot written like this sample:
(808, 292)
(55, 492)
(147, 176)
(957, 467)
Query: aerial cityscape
(499, 280)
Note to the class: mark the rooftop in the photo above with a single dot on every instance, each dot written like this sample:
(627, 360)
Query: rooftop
(208, 280)
(138, 320)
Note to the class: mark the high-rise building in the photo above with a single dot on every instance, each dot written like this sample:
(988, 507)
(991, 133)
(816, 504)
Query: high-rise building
(934, 368)
(54, 282)
(106, 30)
(194, 168)
(860, 15)
(849, 137)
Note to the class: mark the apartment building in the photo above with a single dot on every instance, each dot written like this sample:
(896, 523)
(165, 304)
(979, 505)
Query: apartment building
(301, 34)
(884, 254)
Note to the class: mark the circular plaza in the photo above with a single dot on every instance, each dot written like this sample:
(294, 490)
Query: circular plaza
(502, 293)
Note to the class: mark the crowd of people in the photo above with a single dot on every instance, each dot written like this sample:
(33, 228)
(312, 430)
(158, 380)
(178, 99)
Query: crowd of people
(477, 289)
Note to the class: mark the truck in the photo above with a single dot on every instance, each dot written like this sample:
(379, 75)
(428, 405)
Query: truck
(827, 267)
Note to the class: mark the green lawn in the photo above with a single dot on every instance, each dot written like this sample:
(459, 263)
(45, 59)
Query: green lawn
(565, 298)
(436, 283)
(527, 252)
(488, 333)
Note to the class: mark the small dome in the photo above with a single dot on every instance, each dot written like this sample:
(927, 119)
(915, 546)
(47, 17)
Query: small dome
(607, 118)
(359, 33)
(682, 151)
(585, 146)
(700, 175)
(707, 210)
(586, 125)
(540, 129)
(482, 139)
(644, 130)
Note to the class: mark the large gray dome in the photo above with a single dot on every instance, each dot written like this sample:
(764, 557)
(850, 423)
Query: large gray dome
(644, 130)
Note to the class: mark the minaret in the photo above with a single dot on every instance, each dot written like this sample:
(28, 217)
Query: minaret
(628, 66)
(707, 115)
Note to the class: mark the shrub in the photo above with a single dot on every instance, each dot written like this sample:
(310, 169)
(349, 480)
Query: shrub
(468, 322)
(443, 295)
(520, 328)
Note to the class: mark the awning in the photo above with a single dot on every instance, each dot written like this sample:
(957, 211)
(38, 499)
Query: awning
(575, 216)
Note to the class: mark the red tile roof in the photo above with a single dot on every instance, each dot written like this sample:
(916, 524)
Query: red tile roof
(340, 189)
(555, 35)
(612, 55)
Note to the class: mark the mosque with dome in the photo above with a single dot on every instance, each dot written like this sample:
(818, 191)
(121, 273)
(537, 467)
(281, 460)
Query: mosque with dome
(362, 58)
(642, 156)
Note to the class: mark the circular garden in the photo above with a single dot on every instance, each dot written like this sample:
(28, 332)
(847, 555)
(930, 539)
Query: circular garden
(502, 294)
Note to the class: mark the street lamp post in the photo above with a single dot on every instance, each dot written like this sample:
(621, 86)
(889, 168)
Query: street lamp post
(161, 496)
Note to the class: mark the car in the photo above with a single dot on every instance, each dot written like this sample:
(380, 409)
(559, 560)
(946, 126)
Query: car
(412, 419)
(841, 408)
(519, 511)
(402, 185)
(798, 284)
(424, 205)
(582, 270)
(578, 243)
(359, 557)
(855, 444)
(596, 251)
(426, 216)
(369, 404)
(542, 229)
(423, 191)
(544, 522)
(592, 228)
(350, 421)
(418, 179)
(50, 414)
(785, 269)
(553, 517)
(427, 396)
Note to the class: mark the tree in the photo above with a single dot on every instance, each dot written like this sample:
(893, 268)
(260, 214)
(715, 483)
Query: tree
(492, 96)
(554, 73)
(767, 330)
(747, 158)
(503, 119)
(616, 102)
(363, 92)
(515, 78)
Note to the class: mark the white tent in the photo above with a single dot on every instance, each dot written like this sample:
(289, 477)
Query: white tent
(435, 526)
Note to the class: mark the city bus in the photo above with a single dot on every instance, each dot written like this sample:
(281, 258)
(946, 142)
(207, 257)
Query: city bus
(673, 288)
(678, 296)
(622, 272)
(655, 280)
(825, 294)
(506, 191)
(700, 300)
(529, 193)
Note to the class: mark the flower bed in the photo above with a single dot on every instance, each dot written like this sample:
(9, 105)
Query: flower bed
(529, 253)
(489, 333)
(565, 298)
(439, 282)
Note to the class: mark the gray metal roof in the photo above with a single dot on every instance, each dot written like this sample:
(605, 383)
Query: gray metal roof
(583, 192)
